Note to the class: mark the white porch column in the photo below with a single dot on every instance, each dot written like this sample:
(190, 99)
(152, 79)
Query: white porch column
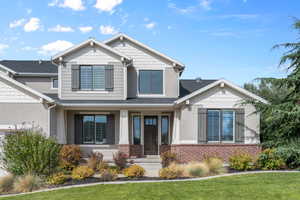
(124, 133)
(176, 127)
(61, 126)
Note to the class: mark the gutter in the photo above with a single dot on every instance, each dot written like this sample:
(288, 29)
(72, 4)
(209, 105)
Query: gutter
(116, 105)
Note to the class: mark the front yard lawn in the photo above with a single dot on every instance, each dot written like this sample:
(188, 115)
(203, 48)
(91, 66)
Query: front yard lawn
(254, 186)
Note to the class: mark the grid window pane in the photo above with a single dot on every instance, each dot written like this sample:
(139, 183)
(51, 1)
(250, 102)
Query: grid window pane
(213, 125)
(137, 130)
(55, 83)
(88, 129)
(165, 130)
(98, 77)
(145, 82)
(86, 77)
(227, 125)
(100, 135)
(156, 82)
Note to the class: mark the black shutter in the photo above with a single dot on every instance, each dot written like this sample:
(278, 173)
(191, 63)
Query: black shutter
(78, 129)
(110, 129)
(109, 77)
(75, 77)
(202, 125)
(239, 125)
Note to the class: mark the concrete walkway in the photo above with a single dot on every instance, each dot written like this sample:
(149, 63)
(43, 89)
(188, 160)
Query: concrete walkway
(151, 181)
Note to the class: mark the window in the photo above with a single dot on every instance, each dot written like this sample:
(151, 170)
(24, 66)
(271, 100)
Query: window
(151, 82)
(92, 77)
(136, 129)
(164, 130)
(220, 125)
(54, 83)
(94, 129)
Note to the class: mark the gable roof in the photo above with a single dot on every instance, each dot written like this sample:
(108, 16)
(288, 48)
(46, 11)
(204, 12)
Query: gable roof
(122, 35)
(89, 42)
(26, 67)
(30, 90)
(188, 86)
(216, 83)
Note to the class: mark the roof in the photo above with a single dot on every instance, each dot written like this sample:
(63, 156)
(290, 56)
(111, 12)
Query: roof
(90, 41)
(122, 35)
(29, 66)
(188, 86)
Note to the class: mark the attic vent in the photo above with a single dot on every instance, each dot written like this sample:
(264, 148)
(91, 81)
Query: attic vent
(198, 79)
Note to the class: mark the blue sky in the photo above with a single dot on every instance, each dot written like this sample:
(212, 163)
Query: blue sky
(229, 39)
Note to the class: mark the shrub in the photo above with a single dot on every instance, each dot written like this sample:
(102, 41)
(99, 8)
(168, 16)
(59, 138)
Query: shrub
(94, 160)
(172, 171)
(70, 156)
(82, 172)
(134, 171)
(196, 169)
(109, 175)
(167, 158)
(120, 160)
(6, 183)
(29, 152)
(27, 183)
(241, 161)
(102, 166)
(290, 155)
(215, 165)
(269, 160)
(56, 179)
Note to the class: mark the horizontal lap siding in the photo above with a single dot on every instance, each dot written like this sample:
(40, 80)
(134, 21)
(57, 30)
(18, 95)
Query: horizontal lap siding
(41, 84)
(90, 56)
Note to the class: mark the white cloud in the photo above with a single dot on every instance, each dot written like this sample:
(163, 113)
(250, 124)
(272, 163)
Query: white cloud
(85, 29)
(16, 23)
(107, 5)
(28, 11)
(59, 28)
(76, 5)
(28, 48)
(108, 30)
(55, 47)
(3, 46)
(32, 25)
(205, 4)
(186, 10)
(150, 25)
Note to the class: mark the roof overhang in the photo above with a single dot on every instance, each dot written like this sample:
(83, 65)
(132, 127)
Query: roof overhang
(92, 42)
(37, 74)
(125, 105)
(122, 36)
(222, 83)
(8, 70)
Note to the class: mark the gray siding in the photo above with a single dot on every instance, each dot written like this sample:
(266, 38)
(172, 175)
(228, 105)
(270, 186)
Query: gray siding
(41, 84)
(143, 59)
(92, 56)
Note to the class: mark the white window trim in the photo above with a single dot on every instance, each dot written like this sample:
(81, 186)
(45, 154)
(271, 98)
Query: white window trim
(138, 84)
(53, 88)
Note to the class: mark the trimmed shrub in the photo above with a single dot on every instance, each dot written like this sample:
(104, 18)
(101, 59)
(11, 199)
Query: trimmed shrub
(172, 171)
(120, 160)
(27, 183)
(241, 161)
(70, 156)
(29, 152)
(167, 158)
(6, 183)
(102, 166)
(290, 155)
(94, 160)
(82, 172)
(196, 169)
(109, 175)
(269, 160)
(134, 171)
(57, 179)
(215, 165)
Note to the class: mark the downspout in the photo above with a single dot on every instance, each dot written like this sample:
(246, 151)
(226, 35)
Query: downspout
(49, 118)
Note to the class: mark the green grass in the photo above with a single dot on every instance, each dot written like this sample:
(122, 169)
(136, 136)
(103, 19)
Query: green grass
(254, 186)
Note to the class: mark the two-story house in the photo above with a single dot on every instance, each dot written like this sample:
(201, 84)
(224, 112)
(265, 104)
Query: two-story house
(123, 95)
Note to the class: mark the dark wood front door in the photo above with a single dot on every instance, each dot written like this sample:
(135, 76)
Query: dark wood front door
(150, 135)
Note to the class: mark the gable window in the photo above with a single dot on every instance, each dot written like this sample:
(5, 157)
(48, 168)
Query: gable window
(220, 125)
(54, 83)
(151, 82)
(92, 77)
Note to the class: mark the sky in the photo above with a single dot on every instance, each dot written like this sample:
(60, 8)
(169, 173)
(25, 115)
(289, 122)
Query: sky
(229, 39)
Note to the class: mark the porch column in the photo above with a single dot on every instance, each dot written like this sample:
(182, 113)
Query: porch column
(61, 126)
(176, 127)
(124, 133)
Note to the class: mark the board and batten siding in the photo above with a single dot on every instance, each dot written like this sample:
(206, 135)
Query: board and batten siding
(217, 98)
(91, 56)
(143, 59)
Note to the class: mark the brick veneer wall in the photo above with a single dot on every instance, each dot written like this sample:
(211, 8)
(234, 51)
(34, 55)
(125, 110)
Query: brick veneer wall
(135, 151)
(198, 152)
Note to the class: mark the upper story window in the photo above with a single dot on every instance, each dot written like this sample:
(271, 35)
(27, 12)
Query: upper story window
(54, 83)
(92, 77)
(151, 82)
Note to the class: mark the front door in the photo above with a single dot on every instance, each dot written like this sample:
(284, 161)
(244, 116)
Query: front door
(150, 135)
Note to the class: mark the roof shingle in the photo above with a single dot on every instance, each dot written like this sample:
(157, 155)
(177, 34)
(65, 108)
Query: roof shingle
(30, 66)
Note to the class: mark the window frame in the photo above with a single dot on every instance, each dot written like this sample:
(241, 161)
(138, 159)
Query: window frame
(92, 89)
(52, 83)
(150, 94)
(221, 125)
(168, 142)
(94, 142)
(132, 128)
